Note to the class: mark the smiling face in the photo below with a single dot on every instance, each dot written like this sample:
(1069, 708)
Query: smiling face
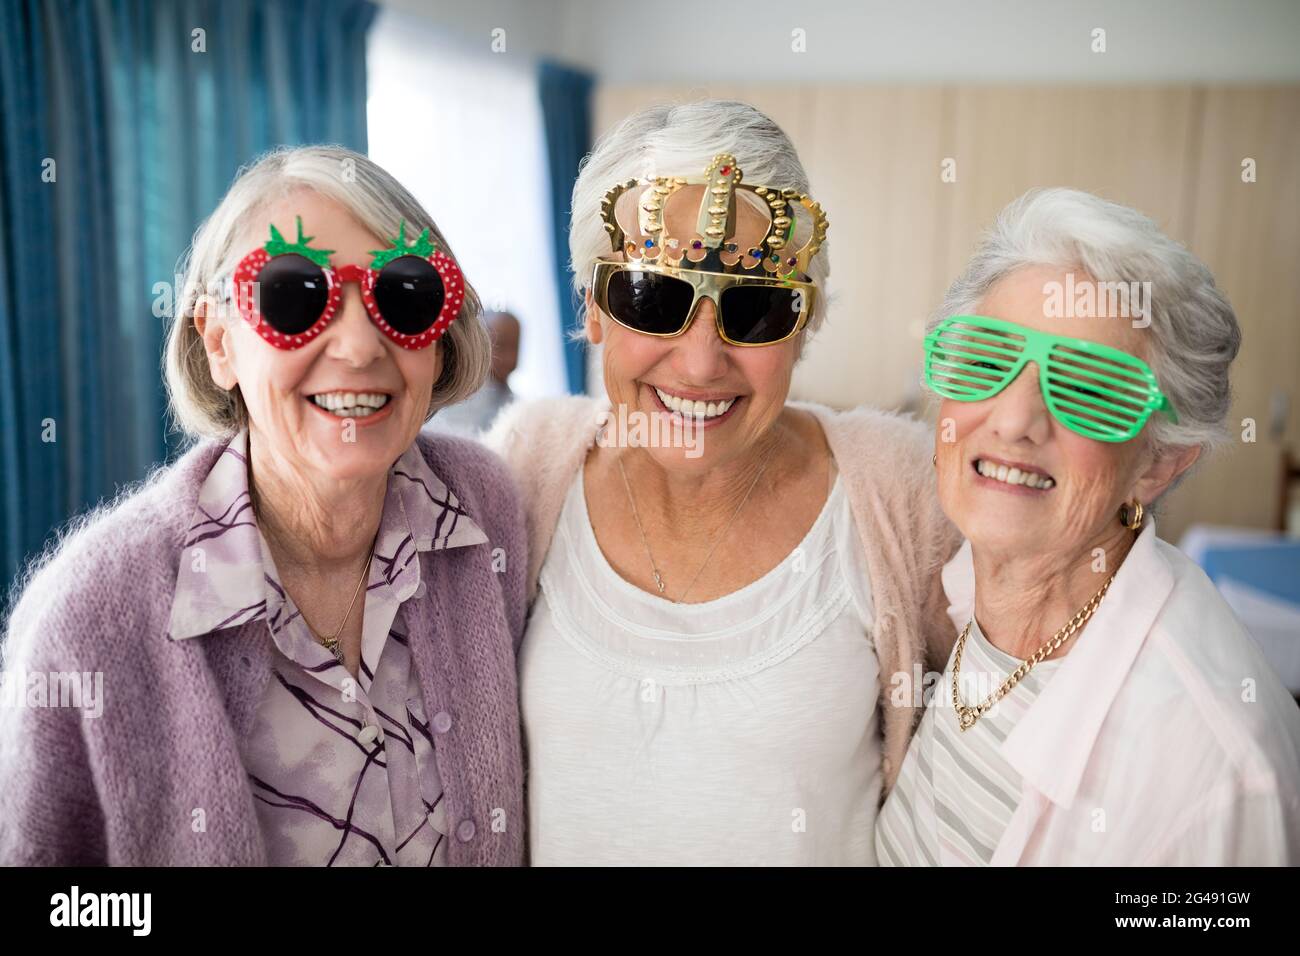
(1015, 480)
(351, 401)
(735, 393)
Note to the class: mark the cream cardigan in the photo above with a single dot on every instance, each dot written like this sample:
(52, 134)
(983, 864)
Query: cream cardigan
(884, 460)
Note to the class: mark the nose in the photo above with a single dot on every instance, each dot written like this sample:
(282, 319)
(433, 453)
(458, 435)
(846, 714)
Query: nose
(350, 336)
(1019, 412)
(700, 353)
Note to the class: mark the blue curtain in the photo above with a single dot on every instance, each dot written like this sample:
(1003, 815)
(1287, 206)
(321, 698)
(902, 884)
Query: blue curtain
(122, 123)
(566, 119)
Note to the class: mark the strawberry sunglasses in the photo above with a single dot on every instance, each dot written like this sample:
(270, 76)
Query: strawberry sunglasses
(289, 292)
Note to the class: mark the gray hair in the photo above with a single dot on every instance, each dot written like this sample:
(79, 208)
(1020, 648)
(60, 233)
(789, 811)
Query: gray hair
(1194, 330)
(681, 140)
(377, 201)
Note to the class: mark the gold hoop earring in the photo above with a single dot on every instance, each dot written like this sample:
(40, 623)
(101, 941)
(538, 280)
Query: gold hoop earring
(1130, 515)
(934, 459)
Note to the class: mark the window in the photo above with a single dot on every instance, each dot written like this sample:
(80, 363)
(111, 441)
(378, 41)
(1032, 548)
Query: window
(462, 130)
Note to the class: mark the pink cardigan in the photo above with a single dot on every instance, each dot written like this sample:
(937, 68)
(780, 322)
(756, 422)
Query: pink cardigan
(884, 460)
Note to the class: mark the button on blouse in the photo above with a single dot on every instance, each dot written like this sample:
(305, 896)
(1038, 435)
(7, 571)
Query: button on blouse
(343, 770)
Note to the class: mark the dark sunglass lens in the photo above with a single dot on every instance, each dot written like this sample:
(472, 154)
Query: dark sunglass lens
(409, 294)
(291, 293)
(758, 314)
(649, 302)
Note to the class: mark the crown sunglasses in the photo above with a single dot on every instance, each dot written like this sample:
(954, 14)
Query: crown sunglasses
(288, 292)
(1092, 389)
(661, 301)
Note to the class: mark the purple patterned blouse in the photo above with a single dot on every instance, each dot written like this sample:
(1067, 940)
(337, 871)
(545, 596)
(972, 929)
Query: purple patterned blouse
(342, 770)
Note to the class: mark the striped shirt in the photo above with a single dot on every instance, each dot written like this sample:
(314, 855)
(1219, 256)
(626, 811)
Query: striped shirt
(956, 792)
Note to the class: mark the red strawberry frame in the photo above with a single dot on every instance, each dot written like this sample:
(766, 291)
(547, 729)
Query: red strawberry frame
(246, 274)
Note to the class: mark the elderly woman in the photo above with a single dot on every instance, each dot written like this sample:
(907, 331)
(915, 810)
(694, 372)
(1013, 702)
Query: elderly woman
(1102, 705)
(306, 626)
(723, 579)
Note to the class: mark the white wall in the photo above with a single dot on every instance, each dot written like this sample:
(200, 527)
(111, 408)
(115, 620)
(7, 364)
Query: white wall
(968, 41)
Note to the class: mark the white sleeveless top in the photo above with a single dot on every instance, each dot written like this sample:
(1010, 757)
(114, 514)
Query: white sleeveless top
(737, 731)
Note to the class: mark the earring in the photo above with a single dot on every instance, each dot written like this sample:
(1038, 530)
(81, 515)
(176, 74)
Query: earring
(1130, 515)
(934, 459)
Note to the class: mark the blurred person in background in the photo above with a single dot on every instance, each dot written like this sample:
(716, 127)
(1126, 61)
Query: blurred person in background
(479, 411)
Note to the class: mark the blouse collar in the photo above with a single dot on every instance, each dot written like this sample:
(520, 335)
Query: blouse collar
(1052, 743)
(227, 576)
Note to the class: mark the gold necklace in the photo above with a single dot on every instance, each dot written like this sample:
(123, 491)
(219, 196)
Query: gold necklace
(966, 716)
(332, 644)
(659, 581)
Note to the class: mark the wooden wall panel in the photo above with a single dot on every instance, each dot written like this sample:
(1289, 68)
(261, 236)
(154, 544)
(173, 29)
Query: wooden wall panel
(1249, 236)
(1132, 145)
(872, 162)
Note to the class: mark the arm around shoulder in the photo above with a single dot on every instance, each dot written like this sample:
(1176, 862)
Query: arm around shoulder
(487, 486)
(892, 455)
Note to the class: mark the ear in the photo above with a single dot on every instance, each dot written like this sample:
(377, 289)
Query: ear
(1164, 470)
(591, 318)
(214, 333)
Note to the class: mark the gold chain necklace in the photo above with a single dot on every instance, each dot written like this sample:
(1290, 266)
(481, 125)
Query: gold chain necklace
(966, 716)
(332, 644)
(659, 581)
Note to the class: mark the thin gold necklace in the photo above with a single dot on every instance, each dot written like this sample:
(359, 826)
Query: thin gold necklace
(331, 644)
(654, 568)
(966, 716)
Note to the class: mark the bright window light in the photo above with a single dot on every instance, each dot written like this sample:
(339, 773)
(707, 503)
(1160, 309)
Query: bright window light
(462, 130)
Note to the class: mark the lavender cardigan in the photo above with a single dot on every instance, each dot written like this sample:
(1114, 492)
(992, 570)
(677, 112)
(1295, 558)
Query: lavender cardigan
(157, 778)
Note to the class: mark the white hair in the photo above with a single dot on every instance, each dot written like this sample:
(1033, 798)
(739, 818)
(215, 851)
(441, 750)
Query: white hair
(1194, 330)
(681, 140)
(377, 201)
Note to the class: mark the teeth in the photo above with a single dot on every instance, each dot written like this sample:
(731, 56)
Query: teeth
(1014, 476)
(350, 404)
(685, 406)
